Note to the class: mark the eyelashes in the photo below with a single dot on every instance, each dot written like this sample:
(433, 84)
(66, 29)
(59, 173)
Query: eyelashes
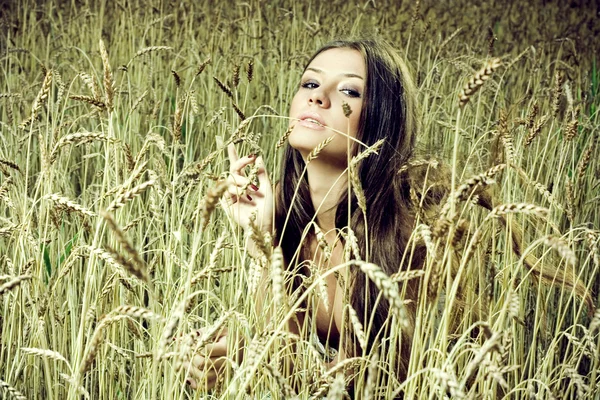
(310, 84)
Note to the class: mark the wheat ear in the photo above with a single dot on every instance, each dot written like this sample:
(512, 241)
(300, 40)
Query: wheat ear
(109, 84)
(315, 152)
(138, 267)
(475, 83)
(10, 285)
(5, 387)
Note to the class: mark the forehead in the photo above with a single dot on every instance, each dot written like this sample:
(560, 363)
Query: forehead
(339, 61)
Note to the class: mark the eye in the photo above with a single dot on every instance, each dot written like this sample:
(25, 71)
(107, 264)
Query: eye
(350, 92)
(309, 85)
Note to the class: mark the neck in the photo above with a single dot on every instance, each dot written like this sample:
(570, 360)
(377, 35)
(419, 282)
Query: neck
(327, 184)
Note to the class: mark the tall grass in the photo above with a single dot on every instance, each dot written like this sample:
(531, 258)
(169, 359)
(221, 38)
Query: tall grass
(115, 251)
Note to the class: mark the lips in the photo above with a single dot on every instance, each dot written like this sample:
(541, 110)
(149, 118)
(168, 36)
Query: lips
(311, 120)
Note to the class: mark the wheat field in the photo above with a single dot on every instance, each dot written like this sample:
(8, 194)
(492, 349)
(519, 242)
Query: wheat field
(118, 262)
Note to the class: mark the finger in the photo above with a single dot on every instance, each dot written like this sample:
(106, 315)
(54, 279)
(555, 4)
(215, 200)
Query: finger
(237, 195)
(237, 180)
(192, 372)
(192, 383)
(216, 350)
(242, 187)
(232, 153)
(239, 165)
(262, 175)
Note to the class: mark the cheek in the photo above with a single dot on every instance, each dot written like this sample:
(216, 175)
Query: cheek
(354, 121)
(294, 108)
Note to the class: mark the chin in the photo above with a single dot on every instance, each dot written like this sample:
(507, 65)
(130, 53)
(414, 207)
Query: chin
(304, 141)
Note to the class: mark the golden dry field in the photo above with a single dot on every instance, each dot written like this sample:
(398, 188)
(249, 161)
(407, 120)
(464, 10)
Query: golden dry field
(118, 262)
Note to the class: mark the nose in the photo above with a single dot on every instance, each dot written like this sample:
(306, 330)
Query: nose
(319, 98)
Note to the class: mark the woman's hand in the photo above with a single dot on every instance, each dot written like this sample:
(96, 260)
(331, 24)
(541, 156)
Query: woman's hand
(203, 369)
(243, 197)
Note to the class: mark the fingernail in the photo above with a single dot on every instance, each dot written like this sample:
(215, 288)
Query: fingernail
(254, 187)
(249, 198)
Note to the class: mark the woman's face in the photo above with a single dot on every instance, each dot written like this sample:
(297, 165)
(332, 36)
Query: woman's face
(334, 77)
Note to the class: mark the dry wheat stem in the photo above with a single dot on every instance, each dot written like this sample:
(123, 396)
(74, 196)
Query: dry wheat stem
(516, 208)
(5, 387)
(315, 152)
(138, 267)
(473, 85)
(99, 104)
(46, 354)
(109, 84)
(277, 277)
(12, 284)
(73, 382)
(210, 201)
(388, 288)
(70, 205)
(39, 100)
(77, 139)
(358, 327)
(10, 164)
(129, 195)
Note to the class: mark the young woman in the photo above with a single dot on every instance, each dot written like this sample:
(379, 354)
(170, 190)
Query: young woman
(356, 92)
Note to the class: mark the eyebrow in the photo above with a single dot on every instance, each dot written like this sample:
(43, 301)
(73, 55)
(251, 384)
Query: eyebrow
(347, 74)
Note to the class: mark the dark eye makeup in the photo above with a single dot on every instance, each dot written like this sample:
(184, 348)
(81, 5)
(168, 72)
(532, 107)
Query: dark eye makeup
(311, 84)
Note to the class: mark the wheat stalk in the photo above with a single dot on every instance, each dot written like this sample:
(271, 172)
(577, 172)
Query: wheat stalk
(210, 201)
(535, 130)
(5, 387)
(171, 327)
(238, 111)
(357, 187)
(10, 164)
(203, 65)
(77, 139)
(506, 137)
(571, 130)
(235, 75)
(10, 285)
(358, 327)
(277, 277)
(99, 104)
(518, 208)
(70, 205)
(585, 160)
(563, 249)
(473, 85)
(284, 386)
(530, 120)
(261, 239)
(73, 382)
(284, 137)
(315, 152)
(109, 84)
(138, 267)
(39, 99)
(224, 88)
(129, 195)
(46, 354)
(92, 85)
(150, 49)
(250, 71)
(388, 288)
(559, 79)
